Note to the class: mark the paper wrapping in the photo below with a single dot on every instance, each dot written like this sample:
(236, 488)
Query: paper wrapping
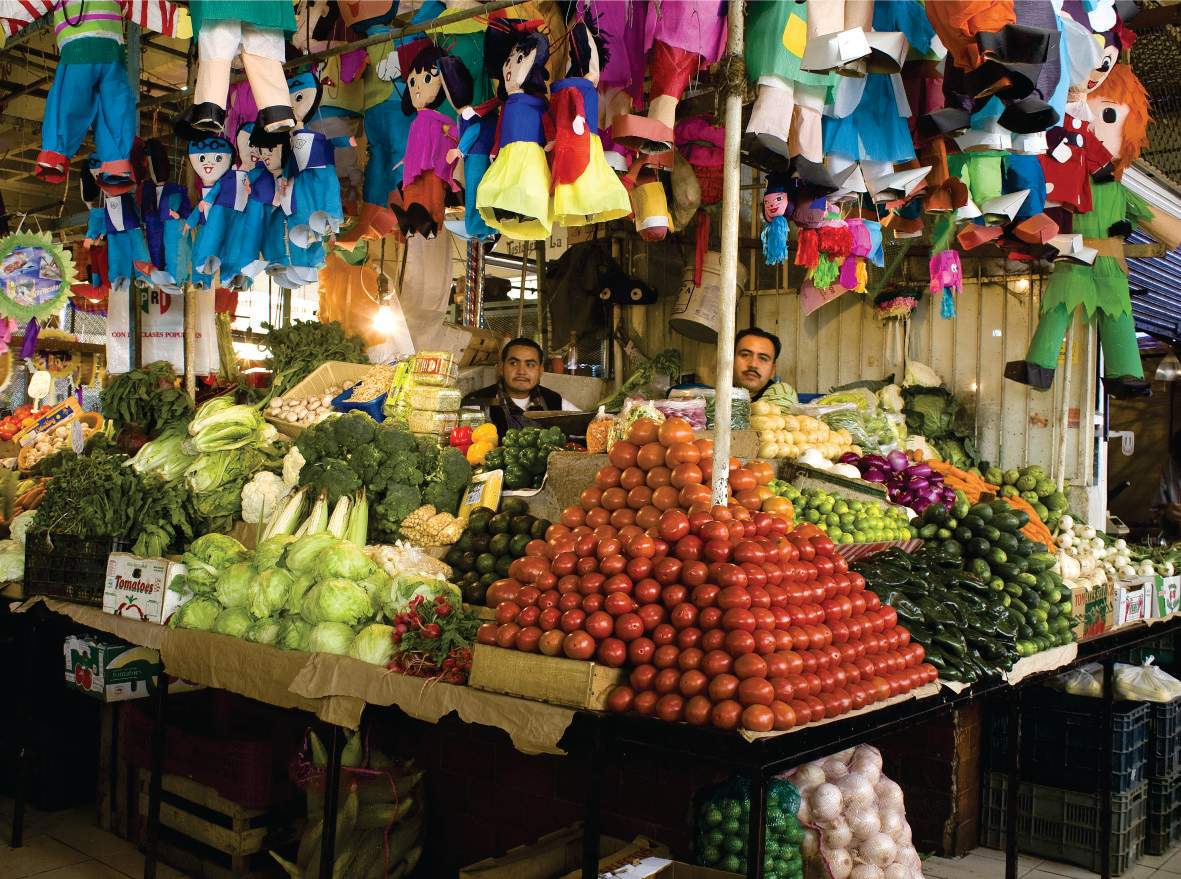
(922, 692)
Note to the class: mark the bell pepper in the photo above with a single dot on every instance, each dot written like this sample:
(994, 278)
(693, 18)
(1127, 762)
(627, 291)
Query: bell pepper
(486, 433)
(477, 452)
(461, 438)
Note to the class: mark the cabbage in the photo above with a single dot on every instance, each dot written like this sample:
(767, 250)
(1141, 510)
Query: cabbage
(232, 621)
(270, 551)
(299, 588)
(20, 524)
(303, 554)
(346, 560)
(920, 374)
(196, 613)
(330, 638)
(336, 601)
(377, 585)
(217, 550)
(374, 643)
(264, 631)
(406, 586)
(12, 561)
(268, 595)
(294, 634)
(890, 398)
(233, 586)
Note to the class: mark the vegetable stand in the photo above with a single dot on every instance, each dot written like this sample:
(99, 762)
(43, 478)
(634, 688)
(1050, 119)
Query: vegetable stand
(337, 689)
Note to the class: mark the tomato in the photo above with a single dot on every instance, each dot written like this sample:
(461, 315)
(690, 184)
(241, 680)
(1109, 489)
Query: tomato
(690, 658)
(528, 616)
(739, 618)
(620, 699)
(817, 706)
(739, 642)
(612, 565)
(685, 475)
(688, 548)
(709, 618)
(756, 579)
(657, 478)
(733, 597)
(872, 602)
(693, 683)
(714, 639)
(857, 599)
(612, 653)
(690, 636)
(653, 616)
(750, 665)
(758, 718)
(506, 635)
(599, 625)
(551, 642)
(835, 704)
(723, 686)
(881, 688)
(675, 430)
(726, 714)
(632, 478)
(645, 703)
(646, 591)
(622, 454)
(486, 634)
(716, 551)
(579, 645)
(572, 621)
(697, 710)
(666, 680)
(674, 595)
(639, 650)
(502, 590)
(647, 517)
(673, 525)
(799, 638)
(642, 676)
(618, 603)
(667, 571)
(903, 635)
(628, 627)
(665, 655)
(756, 691)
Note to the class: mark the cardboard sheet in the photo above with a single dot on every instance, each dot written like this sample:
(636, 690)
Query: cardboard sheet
(922, 692)
(1046, 660)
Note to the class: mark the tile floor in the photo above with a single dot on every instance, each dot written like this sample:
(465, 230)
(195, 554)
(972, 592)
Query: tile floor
(70, 845)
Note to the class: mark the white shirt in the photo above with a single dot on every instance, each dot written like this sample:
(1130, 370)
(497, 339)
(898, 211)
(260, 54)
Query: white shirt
(522, 403)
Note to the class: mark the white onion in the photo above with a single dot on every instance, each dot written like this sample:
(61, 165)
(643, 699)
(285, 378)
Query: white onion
(863, 820)
(826, 802)
(804, 813)
(846, 755)
(893, 820)
(836, 834)
(879, 850)
(867, 769)
(897, 870)
(869, 871)
(889, 794)
(835, 769)
(807, 777)
(902, 837)
(810, 844)
(840, 862)
(855, 788)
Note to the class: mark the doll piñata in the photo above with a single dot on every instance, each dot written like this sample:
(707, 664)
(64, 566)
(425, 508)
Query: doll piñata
(514, 196)
(115, 219)
(1119, 113)
(776, 207)
(246, 253)
(585, 188)
(223, 194)
(164, 205)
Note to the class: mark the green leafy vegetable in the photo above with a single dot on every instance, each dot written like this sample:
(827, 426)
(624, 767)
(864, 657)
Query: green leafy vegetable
(298, 349)
(148, 397)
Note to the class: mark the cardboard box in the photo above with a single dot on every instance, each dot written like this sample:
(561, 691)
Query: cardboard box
(1166, 596)
(571, 682)
(1093, 609)
(642, 859)
(110, 669)
(138, 587)
(552, 856)
(1133, 599)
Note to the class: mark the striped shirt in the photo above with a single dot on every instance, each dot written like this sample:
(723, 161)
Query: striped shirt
(96, 18)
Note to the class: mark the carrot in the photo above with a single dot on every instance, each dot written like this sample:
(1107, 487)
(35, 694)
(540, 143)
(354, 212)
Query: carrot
(974, 486)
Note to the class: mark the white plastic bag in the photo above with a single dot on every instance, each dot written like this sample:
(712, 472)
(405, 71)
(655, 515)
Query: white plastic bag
(1145, 683)
(1086, 680)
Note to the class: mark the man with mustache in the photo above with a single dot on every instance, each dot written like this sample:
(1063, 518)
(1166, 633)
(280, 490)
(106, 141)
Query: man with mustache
(755, 353)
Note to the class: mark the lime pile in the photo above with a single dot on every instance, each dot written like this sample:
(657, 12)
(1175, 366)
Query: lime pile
(845, 520)
(723, 813)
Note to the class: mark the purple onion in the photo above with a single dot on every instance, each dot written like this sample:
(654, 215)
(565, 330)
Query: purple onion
(874, 475)
(918, 484)
(897, 460)
(849, 458)
(923, 470)
(877, 462)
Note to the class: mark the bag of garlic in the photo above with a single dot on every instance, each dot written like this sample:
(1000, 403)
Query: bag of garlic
(854, 819)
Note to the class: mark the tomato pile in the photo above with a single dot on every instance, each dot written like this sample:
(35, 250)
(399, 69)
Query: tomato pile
(722, 614)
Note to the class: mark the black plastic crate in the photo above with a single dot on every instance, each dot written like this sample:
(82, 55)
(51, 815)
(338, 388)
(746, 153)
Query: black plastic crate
(1061, 738)
(1164, 738)
(1164, 814)
(69, 567)
(1064, 824)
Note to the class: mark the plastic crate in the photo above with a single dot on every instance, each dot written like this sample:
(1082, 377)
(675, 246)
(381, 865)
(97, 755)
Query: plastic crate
(1164, 738)
(69, 567)
(1065, 825)
(1164, 814)
(1061, 742)
(1162, 650)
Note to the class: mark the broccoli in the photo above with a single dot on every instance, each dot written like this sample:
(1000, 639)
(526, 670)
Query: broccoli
(354, 430)
(318, 442)
(331, 475)
(428, 452)
(447, 481)
(367, 462)
(391, 439)
(399, 502)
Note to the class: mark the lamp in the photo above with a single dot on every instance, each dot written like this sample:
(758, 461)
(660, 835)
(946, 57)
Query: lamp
(1169, 369)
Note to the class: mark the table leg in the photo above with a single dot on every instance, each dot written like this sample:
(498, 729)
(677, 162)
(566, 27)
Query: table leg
(1105, 768)
(1014, 783)
(591, 824)
(331, 802)
(25, 733)
(757, 825)
(159, 731)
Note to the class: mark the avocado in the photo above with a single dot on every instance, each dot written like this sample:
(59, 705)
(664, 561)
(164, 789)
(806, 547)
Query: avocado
(499, 524)
(480, 543)
(454, 555)
(477, 520)
(485, 563)
(540, 526)
(522, 524)
(502, 565)
(473, 593)
(514, 506)
(499, 544)
(469, 578)
(468, 562)
(488, 579)
(517, 544)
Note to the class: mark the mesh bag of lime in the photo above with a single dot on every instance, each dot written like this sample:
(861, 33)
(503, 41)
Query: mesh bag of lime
(721, 817)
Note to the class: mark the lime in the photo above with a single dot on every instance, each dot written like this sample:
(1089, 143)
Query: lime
(712, 817)
(734, 844)
(710, 856)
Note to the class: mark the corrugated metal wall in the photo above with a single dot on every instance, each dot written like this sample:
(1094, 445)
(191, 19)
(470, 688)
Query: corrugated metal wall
(843, 342)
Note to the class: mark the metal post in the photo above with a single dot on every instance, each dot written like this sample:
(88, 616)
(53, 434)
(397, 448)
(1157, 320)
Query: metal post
(591, 822)
(29, 643)
(1014, 783)
(133, 320)
(331, 802)
(731, 171)
(757, 823)
(473, 288)
(190, 294)
(1105, 767)
(157, 776)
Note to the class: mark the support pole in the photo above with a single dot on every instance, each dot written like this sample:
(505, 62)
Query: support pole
(731, 172)
(190, 304)
(331, 804)
(1013, 786)
(156, 779)
(1072, 330)
(133, 294)
(473, 288)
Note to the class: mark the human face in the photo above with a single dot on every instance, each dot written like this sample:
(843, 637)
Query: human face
(424, 87)
(521, 369)
(516, 69)
(754, 362)
(1107, 122)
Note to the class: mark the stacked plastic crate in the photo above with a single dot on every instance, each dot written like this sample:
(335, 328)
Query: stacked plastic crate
(1164, 776)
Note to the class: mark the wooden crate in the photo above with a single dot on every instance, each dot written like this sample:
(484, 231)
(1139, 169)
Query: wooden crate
(209, 837)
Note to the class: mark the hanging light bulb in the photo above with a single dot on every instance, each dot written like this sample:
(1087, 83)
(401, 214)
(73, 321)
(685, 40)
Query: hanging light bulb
(383, 320)
(1169, 369)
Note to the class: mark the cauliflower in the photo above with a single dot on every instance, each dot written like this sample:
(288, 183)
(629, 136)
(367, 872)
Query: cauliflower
(262, 495)
(293, 462)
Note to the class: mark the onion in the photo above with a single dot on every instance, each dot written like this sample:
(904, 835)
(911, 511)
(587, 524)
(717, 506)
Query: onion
(889, 794)
(835, 768)
(878, 850)
(863, 820)
(868, 871)
(920, 469)
(874, 475)
(849, 458)
(898, 461)
(810, 844)
(846, 755)
(825, 802)
(855, 788)
(867, 767)
(868, 754)
(807, 777)
(839, 861)
(892, 820)
(897, 870)
(919, 484)
(804, 813)
(902, 837)
(836, 834)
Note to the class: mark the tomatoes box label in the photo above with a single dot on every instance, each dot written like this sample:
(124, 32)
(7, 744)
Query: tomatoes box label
(138, 587)
(109, 669)
(1132, 600)
(1166, 593)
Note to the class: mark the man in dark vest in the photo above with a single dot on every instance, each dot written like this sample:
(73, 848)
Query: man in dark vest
(519, 389)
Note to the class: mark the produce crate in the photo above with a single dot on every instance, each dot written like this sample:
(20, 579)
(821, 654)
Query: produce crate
(69, 567)
(1162, 650)
(1061, 742)
(1164, 738)
(323, 377)
(209, 836)
(241, 770)
(1164, 814)
(1065, 825)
